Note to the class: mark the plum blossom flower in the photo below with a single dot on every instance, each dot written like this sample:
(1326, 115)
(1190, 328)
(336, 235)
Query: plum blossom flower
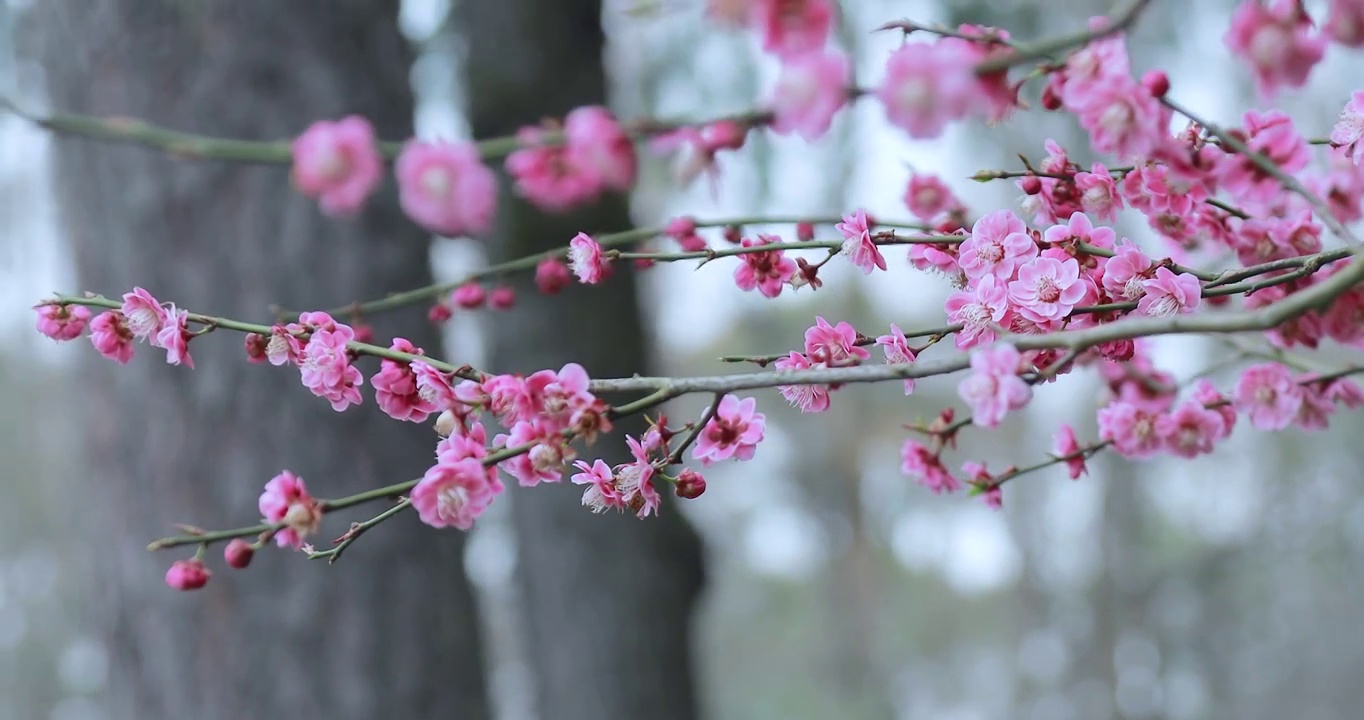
(1278, 41)
(62, 322)
(601, 492)
(1064, 445)
(453, 494)
(929, 85)
(833, 345)
(994, 389)
(812, 88)
(898, 352)
(858, 246)
(734, 431)
(810, 398)
(1169, 294)
(338, 164)
(144, 315)
(586, 261)
(395, 387)
(1131, 429)
(979, 311)
(790, 28)
(174, 336)
(999, 243)
(1047, 289)
(1268, 394)
(926, 468)
(111, 336)
(446, 188)
(1349, 127)
(542, 463)
(185, 575)
(600, 149)
(765, 271)
(286, 500)
(1190, 430)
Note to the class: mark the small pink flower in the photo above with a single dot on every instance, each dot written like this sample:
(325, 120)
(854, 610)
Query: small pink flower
(601, 492)
(809, 398)
(1123, 118)
(929, 85)
(469, 296)
(1130, 428)
(812, 88)
(928, 197)
(395, 387)
(446, 188)
(926, 468)
(792, 27)
(111, 337)
(552, 276)
(765, 271)
(634, 481)
(1278, 41)
(557, 397)
(979, 311)
(286, 501)
(503, 297)
(326, 368)
(62, 322)
(1268, 394)
(858, 246)
(999, 243)
(1099, 193)
(599, 148)
(1047, 289)
(174, 336)
(545, 175)
(586, 261)
(1273, 135)
(338, 164)
(1349, 128)
(1064, 445)
(185, 575)
(994, 388)
(898, 352)
(1126, 272)
(833, 345)
(734, 432)
(1207, 394)
(690, 484)
(144, 315)
(509, 398)
(453, 494)
(1190, 430)
(1169, 294)
(1345, 22)
(543, 462)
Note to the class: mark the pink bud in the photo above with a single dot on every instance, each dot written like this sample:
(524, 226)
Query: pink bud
(724, 135)
(1118, 350)
(805, 232)
(187, 575)
(644, 263)
(502, 298)
(690, 484)
(552, 275)
(255, 347)
(1050, 99)
(734, 234)
(439, 313)
(469, 296)
(692, 243)
(1030, 185)
(680, 227)
(238, 553)
(1157, 82)
(364, 332)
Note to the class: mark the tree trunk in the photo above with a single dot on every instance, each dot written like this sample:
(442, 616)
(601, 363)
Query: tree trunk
(390, 631)
(608, 599)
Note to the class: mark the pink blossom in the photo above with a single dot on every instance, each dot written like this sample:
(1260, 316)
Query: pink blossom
(994, 389)
(999, 243)
(1349, 128)
(1269, 395)
(812, 88)
(1123, 118)
(338, 164)
(634, 481)
(395, 387)
(453, 494)
(690, 484)
(929, 85)
(1099, 193)
(1047, 289)
(144, 315)
(979, 311)
(469, 296)
(791, 28)
(1278, 41)
(174, 336)
(1190, 430)
(586, 261)
(765, 271)
(926, 468)
(600, 149)
(509, 398)
(1126, 272)
(601, 492)
(1079, 229)
(503, 297)
(286, 502)
(111, 337)
(62, 322)
(469, 441)
(1064, 445)
(1345, 22)
(545, 175)
(898, 352)
(185, 575)
(326, 369)
(1207, 394)
(1130, 428)
(543, 462)
(928, 197)
(1169, 294)
(734, 431)
(552, 276)
(809, 398)
(557, 398)
(833, 345)
(1273, 135)
(1098, 62)
(446, 188)
(858, 246)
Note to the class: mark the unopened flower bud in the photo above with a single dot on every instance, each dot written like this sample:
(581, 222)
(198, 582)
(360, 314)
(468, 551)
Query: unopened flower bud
(690, 484)
(187, 575)
(238, 553)
(502, 298)
(805, 232)
(439, 313)
(446, 423)
(1030, 185)
(1157, 82)
(469, 296)
(255, 347)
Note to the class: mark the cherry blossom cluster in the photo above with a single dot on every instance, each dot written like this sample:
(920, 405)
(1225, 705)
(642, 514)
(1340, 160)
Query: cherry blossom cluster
(1036, 293)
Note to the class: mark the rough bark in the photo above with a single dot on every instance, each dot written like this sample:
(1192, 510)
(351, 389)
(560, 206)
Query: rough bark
(608, 600)
(390, 631)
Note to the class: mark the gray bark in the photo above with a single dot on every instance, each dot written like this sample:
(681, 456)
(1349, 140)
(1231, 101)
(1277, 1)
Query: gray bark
(388, 632)
(608, 600)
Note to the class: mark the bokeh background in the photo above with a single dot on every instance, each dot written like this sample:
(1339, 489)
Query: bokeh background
(834, 588)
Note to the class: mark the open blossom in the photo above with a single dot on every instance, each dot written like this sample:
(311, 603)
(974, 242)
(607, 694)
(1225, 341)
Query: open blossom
(812, 88)
(585, 259)
(635, 481)
(858, 246)
(174, 336)
(979, 311)
(1345, 22)
(808, 398)
(1064, 445)
(599, 148)
(542, 463)
(453, 494)
(994, 388)
(1098, 62)
(928, 197)
(395, 387)
(545, 175)
(1122, 117)
(601, 492)
(926, 468)
(144, 314)
(62, 322)
(1047, 288)
(326, 369)
(1126, 272)
(1207, 394)
(790, 28)
(1191, 429)
(111, 337)
(833, 345)
(446, 188)
(1099, 193)
(734, 431)
(898, 352)
(1278, 41)
(286, 500)
(999, 243)
(557, 398)
(764, 271)
(338, 164)
(1268, 394)
(1273, 135)
(1130, 428)
(1169, 294)
(929, 85)
(1349, 128)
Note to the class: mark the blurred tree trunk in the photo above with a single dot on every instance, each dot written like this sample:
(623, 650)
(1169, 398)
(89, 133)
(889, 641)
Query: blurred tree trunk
(608, 600)
(390, 631)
